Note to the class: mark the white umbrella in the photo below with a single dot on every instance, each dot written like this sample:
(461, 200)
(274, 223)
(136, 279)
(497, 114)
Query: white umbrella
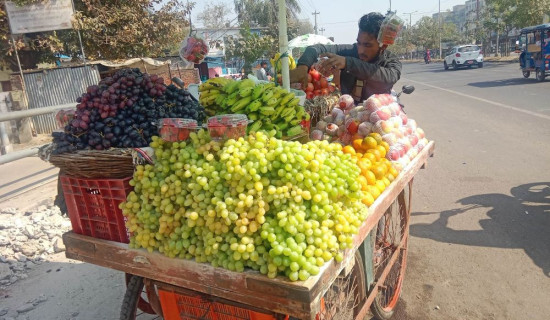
(308, 40)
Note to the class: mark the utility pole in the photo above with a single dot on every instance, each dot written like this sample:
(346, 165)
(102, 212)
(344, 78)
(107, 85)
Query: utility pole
(322, 30)
(439, 21)
(315, 14)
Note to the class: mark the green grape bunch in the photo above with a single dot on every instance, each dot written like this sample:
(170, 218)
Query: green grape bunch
(278, 207)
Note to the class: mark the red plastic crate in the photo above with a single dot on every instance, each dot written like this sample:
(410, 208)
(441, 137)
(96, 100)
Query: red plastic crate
(177, 306)
(93, 206)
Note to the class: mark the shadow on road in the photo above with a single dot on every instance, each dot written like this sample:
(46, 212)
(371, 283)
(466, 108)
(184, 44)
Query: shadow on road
(518, 221)
(502, 83)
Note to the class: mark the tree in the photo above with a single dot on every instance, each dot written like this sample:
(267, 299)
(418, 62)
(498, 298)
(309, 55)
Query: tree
(215, 15)
(425, 33)
(249, 46)
(263, 13)
(110, 29)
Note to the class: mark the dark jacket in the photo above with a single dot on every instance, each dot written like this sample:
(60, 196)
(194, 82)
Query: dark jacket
(380, 74)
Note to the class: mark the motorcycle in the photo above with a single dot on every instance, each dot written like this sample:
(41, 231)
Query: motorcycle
(407, 89)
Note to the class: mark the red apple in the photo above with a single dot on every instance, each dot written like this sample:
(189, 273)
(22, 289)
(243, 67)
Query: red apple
(393, 154)
(413, 138)
(404, 118)
(383, 115)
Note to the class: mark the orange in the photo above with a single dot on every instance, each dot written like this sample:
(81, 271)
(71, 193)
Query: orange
(382, 151)
(356, 136)
(369, 143)
(368, 199)
(364, 183)
(373, 191)
(393, 171)
(385, 145)
(376, 154)
(376, 136)
(380, 185)
(357, 145)
(386, 181)
(364, 165)
(379, 172)
(371, 157)
(359, 155)
(371, 177)
(348, 149)
(390, 177)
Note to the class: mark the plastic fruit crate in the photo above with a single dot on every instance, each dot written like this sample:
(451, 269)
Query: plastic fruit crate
(93, 206)
(176, 306)
(227, 126)
(176, 129)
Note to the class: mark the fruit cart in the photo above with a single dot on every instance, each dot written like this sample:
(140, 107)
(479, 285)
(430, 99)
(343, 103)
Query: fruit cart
(369, 276)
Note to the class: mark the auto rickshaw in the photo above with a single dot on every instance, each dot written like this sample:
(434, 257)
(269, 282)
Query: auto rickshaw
(535, 51)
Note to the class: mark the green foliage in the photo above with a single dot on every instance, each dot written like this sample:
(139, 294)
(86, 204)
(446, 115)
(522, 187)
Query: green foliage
(249, 46)
(110, 29)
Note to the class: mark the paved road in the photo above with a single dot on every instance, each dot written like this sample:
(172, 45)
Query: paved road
(480, 246)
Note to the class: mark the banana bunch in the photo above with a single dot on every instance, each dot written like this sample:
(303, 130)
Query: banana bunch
(276, 62)
(270, 107)
(212, 94)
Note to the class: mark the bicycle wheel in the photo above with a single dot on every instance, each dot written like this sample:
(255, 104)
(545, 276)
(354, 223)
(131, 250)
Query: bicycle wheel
(140, 294)
(346, 295)
(392, 231)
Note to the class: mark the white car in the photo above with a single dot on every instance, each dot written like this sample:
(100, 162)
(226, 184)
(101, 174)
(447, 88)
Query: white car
(463, 56)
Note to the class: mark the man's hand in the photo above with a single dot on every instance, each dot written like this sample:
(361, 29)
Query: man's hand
(299, 75)
(332, 64)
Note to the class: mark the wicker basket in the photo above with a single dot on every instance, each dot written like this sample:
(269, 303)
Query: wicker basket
(94, 164)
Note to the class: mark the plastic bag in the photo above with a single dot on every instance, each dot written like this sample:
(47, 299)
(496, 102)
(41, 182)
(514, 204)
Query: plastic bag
(390, 28)
(193, 50)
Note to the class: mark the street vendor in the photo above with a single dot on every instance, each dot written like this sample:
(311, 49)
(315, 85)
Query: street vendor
(366, 67)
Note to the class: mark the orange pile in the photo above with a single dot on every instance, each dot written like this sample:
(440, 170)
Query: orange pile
(377, 172)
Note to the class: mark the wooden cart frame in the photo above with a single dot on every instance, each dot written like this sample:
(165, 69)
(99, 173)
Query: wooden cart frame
(372, 261)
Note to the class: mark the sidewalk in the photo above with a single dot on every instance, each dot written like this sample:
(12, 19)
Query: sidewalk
(27, 183)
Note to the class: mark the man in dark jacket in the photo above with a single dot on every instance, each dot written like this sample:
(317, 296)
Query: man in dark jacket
(365, 67)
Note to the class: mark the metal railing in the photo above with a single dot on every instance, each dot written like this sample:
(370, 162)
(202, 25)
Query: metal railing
(15, 115)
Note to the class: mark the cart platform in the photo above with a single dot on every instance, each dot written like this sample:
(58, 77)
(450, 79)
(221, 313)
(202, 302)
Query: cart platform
(299, 299)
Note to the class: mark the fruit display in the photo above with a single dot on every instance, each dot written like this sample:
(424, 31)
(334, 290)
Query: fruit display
(319, 107)
(377, 172)
(176, 129)
(227, 126)
(380, 114)
(64, 117)
(279, 207)
(123, 111)
(278, 64)
(194, 50)
(268, 106)
(318, 85)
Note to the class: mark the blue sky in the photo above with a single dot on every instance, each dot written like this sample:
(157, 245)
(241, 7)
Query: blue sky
(339, 18)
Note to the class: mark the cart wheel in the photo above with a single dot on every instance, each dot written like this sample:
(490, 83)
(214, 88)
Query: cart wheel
(136, 298)
(392, 228)
(526, 74)
(346, 295)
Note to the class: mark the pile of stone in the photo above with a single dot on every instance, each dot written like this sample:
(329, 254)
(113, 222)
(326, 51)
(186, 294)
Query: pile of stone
(27, 239)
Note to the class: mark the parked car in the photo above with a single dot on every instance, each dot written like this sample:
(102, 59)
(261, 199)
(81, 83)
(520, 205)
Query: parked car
(463, 56)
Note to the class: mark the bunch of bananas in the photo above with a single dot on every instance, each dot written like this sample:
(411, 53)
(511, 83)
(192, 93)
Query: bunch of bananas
(270, 107)
(276, 62)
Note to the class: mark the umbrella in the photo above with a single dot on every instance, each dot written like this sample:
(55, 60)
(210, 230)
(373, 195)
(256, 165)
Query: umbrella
(308, 40)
